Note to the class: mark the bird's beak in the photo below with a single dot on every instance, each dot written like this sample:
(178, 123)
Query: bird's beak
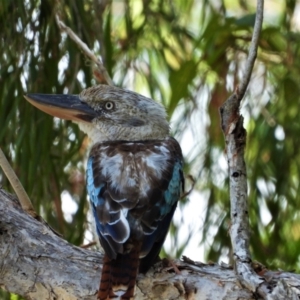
(68, 107)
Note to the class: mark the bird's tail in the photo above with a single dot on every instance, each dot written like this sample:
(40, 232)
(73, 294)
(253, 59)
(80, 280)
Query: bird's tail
(119, 276)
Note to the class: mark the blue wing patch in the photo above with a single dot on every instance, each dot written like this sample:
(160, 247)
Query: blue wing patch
(172, 194)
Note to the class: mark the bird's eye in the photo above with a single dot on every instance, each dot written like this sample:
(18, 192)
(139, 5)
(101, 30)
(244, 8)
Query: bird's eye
(109, 105)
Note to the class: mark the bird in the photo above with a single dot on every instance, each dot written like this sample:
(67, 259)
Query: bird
(134, 177)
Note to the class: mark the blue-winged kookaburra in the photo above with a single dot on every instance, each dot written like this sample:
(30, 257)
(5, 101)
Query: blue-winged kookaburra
(134, 177)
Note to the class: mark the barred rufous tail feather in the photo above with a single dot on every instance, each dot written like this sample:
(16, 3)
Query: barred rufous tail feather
(119, 275)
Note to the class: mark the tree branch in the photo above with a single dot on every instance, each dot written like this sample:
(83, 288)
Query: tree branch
(37, 264)
(241, 90)
(235, 140)
(16, 185)
(85, 49)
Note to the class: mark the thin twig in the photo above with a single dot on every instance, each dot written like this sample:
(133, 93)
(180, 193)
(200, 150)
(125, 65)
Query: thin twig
(193, 182)
(85, 49)
(252, 50)
(20, 191)
(17, 185)
(88, 245)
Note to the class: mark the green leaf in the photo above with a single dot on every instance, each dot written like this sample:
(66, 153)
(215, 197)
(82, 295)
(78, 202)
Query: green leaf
(179, 81)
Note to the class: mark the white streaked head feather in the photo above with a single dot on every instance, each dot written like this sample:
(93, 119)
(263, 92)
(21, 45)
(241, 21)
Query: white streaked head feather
(133, 117)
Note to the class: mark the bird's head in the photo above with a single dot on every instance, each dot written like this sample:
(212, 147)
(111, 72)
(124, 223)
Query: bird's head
(107, 113)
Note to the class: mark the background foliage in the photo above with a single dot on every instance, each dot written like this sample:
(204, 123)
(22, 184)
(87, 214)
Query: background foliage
(188, 55)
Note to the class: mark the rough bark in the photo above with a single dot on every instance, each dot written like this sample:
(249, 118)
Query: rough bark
(38, 264)
(235, 142)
